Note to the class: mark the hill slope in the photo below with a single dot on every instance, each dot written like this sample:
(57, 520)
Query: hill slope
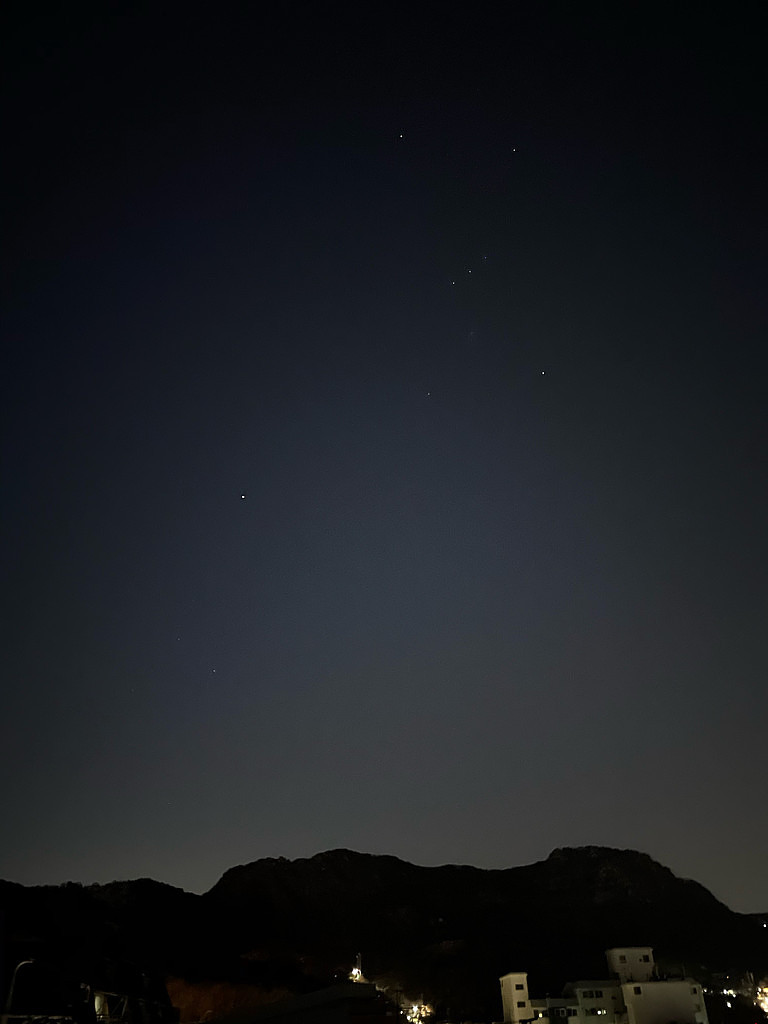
(447, 932)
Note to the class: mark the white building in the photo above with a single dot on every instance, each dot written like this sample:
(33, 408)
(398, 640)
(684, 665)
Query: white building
(632, 964)
(514, 996)
(633, 995)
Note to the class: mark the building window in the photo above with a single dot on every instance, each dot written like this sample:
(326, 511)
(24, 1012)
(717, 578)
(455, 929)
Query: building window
(694, 991)
(646, 959)
(622, 959)
(638, 990)
(598, 993)
(519, 987)
(521, 1005)
(588, 993)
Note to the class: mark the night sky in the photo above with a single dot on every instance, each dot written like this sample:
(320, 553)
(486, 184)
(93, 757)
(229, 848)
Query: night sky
(384, 437)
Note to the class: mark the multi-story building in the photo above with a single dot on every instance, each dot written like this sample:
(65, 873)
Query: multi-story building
(635, 994)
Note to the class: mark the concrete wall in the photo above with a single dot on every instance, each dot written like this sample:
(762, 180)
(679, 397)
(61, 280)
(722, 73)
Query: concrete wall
(514, 997)
(631, 963)
(661, 1002)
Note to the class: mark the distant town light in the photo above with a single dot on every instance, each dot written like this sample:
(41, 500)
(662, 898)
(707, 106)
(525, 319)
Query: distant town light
(356, 974)
(418, 1013)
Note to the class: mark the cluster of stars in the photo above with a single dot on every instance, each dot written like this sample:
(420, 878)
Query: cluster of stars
(468, 270)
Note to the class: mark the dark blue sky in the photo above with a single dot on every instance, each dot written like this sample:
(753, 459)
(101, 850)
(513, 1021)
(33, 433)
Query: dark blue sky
(471, 308)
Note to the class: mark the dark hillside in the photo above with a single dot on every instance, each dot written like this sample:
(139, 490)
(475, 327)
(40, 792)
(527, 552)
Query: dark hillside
(458, 927)
(445, 932)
